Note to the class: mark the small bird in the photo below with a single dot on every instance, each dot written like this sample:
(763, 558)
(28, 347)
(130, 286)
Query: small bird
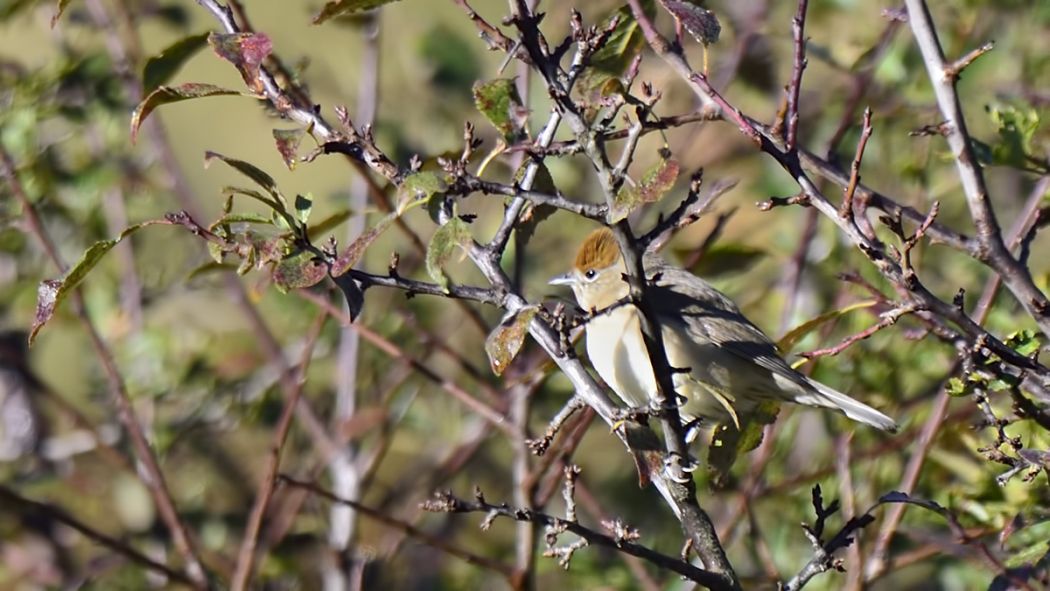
(733, 367)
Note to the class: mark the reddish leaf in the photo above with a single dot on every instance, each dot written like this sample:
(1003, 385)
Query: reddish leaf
(288, 141)
(353, 253)
(701, 23)
(246, 51)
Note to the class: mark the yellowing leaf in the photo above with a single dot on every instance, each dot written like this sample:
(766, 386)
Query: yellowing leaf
(503, 344)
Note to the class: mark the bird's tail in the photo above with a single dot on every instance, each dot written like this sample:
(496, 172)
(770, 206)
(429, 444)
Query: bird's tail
(827, 397)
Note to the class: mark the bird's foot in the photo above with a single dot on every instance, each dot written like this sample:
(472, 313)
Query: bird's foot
(678, 467)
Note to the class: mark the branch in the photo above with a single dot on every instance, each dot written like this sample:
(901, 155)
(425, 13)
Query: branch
(446, 503)
(23, 506)
(246, 555)
(798, 25)
(403, 527)
(993, 251)
(152, 476)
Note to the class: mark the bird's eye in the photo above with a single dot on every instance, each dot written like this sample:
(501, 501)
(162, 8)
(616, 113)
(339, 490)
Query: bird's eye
(590, 274)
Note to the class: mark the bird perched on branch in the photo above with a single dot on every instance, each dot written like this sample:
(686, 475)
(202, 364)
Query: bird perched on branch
(726, 368)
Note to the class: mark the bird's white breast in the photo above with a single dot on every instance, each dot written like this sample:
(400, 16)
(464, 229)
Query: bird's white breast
(618, 353)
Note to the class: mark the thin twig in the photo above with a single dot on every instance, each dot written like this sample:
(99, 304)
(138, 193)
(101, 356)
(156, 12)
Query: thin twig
(242, 575)
(153, 478)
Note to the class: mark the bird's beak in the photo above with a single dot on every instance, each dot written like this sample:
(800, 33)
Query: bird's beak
(563, 279)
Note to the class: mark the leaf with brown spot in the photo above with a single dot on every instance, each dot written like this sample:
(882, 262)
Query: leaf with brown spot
(246, 51)
(701, 23)
(51, 292)
(298, 271)
(503, 344)
(288, 141)
(499, 102)
(656, 182)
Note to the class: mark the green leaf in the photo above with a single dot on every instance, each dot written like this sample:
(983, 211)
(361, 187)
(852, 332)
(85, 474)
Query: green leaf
(336, 8)
(655, 183)
(267, 201)
(956, 387)
(1028, 555)
(328, 224)
(246, 51)
(417, 188)
(723, 259)
(209, 267)
(1025, 342)
(161, 67)
(241, 218)
(303, 205)
(288, 141)
(788, 341)
(728, 441)
(51, 292)
(173, 94)
(298, 271)
(503, 344)
(444, 242)
(499, 102)
(1016, 128)
(624, 44)
(254, 173)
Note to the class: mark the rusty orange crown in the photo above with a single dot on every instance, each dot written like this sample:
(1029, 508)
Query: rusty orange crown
(598, 251)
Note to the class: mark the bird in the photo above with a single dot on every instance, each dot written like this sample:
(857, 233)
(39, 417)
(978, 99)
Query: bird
(725, 367)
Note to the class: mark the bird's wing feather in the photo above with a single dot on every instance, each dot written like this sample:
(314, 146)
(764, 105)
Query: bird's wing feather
(712, 314)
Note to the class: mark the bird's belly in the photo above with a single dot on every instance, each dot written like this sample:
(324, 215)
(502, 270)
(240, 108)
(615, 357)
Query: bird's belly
(617, 352)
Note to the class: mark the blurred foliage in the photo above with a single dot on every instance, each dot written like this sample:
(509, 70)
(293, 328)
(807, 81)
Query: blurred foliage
(209, 399)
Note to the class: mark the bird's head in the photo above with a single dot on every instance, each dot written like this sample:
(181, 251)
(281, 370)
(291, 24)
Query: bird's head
(596, 277)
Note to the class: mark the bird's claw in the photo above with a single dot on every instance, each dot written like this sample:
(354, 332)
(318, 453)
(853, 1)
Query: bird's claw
(678, 468)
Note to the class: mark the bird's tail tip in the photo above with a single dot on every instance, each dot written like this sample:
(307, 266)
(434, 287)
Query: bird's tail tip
(858, 411)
